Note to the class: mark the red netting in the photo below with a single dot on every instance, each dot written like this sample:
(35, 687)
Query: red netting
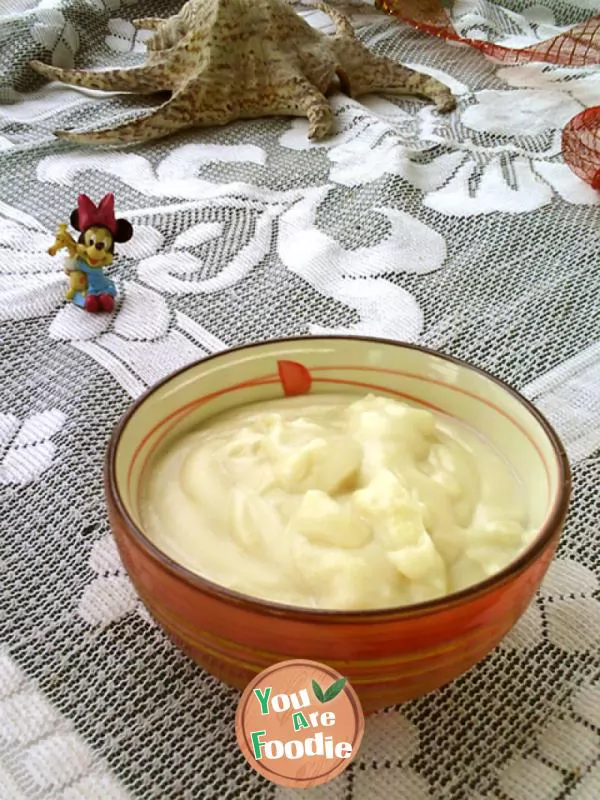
(578, 47)
(581, 145)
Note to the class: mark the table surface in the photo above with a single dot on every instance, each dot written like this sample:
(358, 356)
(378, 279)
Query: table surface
(465, 233)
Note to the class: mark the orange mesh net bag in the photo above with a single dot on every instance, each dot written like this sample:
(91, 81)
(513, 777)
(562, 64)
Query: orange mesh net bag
(577, 47)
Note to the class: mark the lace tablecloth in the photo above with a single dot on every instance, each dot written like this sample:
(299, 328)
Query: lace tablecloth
(465, 232)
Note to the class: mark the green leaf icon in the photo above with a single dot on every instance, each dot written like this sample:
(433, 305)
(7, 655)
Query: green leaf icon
(318, 692)
(335, 689)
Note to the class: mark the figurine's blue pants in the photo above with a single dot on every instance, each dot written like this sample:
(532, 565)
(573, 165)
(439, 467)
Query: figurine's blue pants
(97, 282)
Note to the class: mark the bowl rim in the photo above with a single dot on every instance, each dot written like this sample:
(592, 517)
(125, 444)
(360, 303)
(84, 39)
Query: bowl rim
(554, 520)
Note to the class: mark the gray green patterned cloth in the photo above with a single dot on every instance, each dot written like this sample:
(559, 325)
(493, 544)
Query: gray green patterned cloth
(466, 233)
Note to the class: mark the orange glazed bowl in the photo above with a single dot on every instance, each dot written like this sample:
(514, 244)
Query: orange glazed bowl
(389, 655)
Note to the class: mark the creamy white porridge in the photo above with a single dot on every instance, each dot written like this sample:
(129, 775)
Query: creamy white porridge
(336, 501)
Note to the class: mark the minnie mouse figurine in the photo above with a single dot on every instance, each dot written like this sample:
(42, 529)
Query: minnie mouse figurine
(89, 287)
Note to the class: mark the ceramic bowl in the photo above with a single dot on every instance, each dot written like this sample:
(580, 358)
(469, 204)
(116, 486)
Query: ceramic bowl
(390, 655)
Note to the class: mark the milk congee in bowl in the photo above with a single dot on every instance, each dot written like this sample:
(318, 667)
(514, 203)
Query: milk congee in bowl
(337, 502)
(366, 504)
